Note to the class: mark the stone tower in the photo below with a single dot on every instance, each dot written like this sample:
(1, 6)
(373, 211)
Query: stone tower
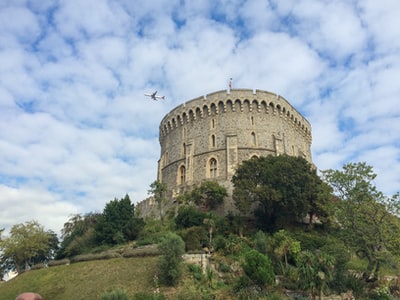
(208, 137)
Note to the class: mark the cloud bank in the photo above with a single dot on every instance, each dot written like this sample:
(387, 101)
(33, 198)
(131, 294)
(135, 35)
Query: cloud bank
(76, 130)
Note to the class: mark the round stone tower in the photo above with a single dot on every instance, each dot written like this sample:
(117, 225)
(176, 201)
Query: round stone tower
(208, 137)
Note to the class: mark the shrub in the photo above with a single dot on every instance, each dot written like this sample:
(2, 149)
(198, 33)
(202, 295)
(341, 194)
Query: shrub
(195, 238)
(188, 216)
(258, 268)
(59, 262)
(172, 248)
(115, 295)
(149, 250)
(260, 242)
(380, 293)
(196, 271)
(38, 266)
(245, 289)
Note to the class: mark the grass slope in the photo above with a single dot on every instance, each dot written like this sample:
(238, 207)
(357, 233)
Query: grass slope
(85, 280)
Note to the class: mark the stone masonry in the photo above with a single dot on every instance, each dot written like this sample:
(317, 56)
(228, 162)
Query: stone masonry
(208, 137)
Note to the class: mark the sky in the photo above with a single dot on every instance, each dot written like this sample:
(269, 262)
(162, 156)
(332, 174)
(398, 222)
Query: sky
(76, 130)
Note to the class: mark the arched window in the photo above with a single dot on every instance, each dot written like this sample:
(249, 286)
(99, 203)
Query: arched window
(182, 175)
(213, 167)
(212, 123)
(213, 140)
(184, 150)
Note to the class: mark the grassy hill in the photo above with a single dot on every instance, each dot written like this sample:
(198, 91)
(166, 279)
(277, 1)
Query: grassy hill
(85, 280)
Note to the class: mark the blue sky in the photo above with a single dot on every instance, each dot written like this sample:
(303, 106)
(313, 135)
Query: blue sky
(76, 130)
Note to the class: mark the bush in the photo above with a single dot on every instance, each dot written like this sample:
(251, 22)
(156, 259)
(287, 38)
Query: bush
(258, 268)
(188, 216)
(245, 289)
(194, 238)
(149, 250)
(172, 248)
(115, 295)
(59, 262)
(196, 271)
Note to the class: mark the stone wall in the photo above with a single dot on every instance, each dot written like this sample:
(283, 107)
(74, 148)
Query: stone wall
(208, 137)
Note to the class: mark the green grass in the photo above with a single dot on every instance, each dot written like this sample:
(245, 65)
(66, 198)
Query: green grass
(85, 280)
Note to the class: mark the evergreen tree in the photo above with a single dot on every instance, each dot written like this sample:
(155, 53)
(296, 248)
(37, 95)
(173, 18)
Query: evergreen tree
(117, 224)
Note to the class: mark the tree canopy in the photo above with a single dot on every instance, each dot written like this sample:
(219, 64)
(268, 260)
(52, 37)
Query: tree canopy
(207, 196)
(27, 243)
(368, 219)
(118, 224)
(280, 189)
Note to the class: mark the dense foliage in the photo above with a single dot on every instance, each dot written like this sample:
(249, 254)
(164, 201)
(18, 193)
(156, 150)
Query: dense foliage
(26, 245)
(280, 188)
(368, 219)
(172, 248)
(258, 268)
(118, 223)
(249, 258)
(207, 196)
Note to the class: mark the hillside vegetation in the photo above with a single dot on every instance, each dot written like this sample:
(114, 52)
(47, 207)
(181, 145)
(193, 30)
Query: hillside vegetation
(295, 236)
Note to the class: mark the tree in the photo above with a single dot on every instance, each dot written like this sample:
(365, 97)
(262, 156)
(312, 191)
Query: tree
(209, 195)
(117, 224)
(172, 248)
(188, 216)
(158, 190)
(279, 188)
(26, 241)
(258, 268)
(78, 235)
(366, 217)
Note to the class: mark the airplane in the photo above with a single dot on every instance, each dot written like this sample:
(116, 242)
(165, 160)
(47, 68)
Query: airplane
(154, 97)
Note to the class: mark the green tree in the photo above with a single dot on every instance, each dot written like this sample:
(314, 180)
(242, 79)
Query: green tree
(188, 216)
(172, 248)
(78, 235)
(366, 217)
(279, 188)
(209, 195)
(258, 268)
(158, 191)
(117, 224)
(26, 241)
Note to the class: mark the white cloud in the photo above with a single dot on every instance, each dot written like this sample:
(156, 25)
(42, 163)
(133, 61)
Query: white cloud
(76, 130)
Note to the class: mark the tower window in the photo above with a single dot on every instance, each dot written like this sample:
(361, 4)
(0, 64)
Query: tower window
(253, 139)
(182, 175)
(213, 168)
(213, 140)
